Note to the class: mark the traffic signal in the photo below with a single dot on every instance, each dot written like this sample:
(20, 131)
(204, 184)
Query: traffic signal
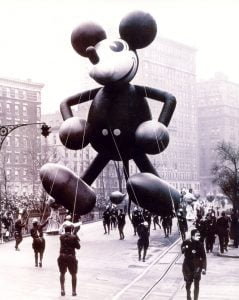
(45, 130)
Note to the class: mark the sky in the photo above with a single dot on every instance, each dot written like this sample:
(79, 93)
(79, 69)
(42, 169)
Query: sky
(35, 37)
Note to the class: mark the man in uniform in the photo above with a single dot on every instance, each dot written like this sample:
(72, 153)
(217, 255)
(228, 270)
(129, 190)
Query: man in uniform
(38, 243)
(67, 258)
(222, 227)
(18, 231)
(194, 264)
(106, 220)
(121, 223)
(210, 231)
(143, 241)
(182, 223)
(137, 218)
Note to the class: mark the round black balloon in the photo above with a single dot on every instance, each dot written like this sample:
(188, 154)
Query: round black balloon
(116, 197)
(138, 29)
(85, 35)
(74, 133)
(152, 137)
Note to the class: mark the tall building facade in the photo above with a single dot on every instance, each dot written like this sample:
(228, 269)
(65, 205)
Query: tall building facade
(170, 66)
(218, 120)
(20, 103)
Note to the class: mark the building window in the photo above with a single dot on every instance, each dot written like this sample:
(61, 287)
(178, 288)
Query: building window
(7, 158)
(16, 174)
(24, 159)
(24, 111)
(21, 94)
(8, 141)
(17, 158)
(12, 92)
(17, 112)
(38, 112)
(8, 108)
(17, 141)
(8, 173)
(24, 142)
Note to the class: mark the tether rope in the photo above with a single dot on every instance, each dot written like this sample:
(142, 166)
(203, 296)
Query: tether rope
(120, 156)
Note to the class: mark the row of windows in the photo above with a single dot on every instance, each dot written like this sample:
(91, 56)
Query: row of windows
(17, 109)
(19, 142)
(18, 174)
(19, 93)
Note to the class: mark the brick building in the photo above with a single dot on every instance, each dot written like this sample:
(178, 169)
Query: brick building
(20, 103)
(218, 120)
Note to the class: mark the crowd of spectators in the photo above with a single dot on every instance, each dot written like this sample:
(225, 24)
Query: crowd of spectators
(11, 207)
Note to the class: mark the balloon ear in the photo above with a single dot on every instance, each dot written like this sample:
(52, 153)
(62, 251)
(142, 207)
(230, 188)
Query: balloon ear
(85, 35)
(138, 29)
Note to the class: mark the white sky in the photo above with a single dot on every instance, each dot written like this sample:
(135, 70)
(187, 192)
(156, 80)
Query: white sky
(35, 37)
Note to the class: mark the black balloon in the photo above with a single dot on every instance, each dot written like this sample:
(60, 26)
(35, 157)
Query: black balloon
(67, 189)
(153, 193)
(119, 125)
(116, 197)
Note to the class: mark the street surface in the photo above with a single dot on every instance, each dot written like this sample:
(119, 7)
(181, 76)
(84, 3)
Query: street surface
(107, 266)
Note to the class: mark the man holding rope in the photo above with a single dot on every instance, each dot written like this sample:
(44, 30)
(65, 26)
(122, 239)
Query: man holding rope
(38, 244)
(194, 264)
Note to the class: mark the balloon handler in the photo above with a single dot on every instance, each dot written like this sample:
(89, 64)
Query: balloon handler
(119, 125)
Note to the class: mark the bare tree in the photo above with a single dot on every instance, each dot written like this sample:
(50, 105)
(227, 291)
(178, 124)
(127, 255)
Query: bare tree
(120, 174)
(37, 159)
(226, 171)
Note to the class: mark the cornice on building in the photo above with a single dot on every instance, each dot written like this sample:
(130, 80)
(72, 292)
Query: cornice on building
(18, 83)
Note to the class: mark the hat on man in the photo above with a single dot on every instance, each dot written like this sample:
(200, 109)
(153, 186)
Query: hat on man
(34, 220)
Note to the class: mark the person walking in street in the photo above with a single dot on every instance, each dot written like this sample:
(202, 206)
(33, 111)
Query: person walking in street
(106, 220)
(113, 218)
(156, 221)
(143, 241)
(200, 225)
(121, 223)
(68, 222)
(38, 243)
(147, 216)
(234, 231)
(19, 225)
(165, 223)
(222, 228)
(194, 264)
(67, 258)
(210, 231)
(137, 218)
(182, 223)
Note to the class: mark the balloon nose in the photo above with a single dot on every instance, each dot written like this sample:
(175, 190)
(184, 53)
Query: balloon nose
(92, 55)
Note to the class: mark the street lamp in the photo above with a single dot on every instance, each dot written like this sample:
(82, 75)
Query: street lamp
(6, 129)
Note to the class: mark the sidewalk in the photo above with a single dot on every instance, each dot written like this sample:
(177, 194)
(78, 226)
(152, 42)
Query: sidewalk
(231, 253)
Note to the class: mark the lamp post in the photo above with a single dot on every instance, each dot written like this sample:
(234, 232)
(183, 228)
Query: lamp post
(5, 130)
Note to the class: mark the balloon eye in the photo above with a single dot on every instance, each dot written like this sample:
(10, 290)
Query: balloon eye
(117, 46)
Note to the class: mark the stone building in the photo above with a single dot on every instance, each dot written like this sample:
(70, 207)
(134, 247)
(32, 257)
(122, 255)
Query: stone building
(218, 120)
(169, 65)
(20, 103)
